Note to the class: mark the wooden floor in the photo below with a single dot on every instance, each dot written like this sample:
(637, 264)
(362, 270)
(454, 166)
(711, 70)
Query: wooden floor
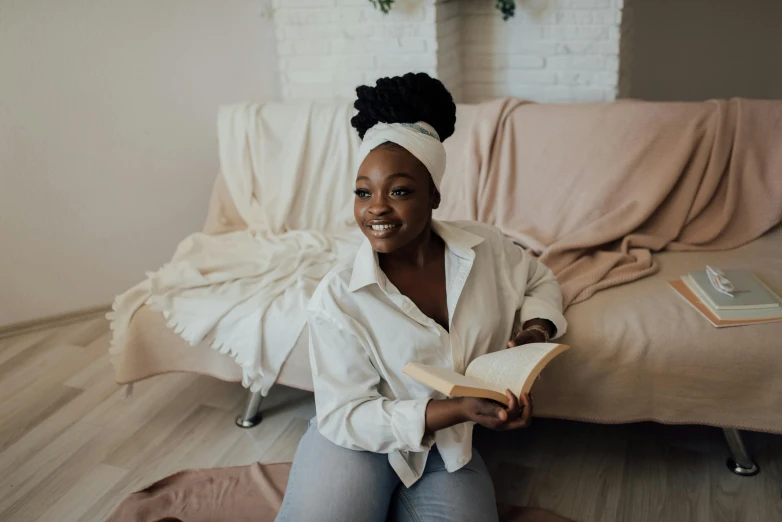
(72, 445)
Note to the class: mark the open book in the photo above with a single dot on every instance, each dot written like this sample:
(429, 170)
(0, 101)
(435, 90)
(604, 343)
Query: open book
(489, 375)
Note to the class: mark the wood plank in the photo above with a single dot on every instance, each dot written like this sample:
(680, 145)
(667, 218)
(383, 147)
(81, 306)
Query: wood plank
(769, 494)
(55, 424)
(13, 346)
(144, 441)
(197, 441)
(555, 485)
(228, 396)
(687, 454)
(644, 481)
(596, 496)
(84, 493)
(510, 459)
(145, 399)
(284, 447)
(19, 489)
(27, 388)
(41, 407)
(42, 491)
(88, 375)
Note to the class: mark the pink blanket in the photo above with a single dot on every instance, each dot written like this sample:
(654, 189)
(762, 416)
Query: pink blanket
(599, 187)
(241, 494)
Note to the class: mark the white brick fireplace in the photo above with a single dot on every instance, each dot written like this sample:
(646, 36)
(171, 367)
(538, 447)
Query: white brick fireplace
(552, 50)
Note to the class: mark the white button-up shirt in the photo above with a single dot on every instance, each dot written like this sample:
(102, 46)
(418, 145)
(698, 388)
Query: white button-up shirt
(363, 331)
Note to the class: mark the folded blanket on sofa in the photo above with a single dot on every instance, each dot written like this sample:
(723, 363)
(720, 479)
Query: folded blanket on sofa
(245, 292)
(599, 187)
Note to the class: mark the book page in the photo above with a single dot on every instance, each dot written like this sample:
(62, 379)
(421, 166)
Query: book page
(441, 379)
(514, 368)
(450, 383)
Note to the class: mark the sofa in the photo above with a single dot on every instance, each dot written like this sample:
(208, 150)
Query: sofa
(639, 351)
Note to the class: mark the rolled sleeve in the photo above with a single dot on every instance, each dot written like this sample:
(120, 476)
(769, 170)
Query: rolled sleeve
(408, 421)
(542, 295)
(351, 411)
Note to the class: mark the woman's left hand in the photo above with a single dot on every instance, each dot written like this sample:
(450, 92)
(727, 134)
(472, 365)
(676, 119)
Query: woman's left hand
(532, 336)
(526, 337)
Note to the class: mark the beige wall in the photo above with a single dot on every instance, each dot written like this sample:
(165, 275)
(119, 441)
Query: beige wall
(700, 49)
(107, 137)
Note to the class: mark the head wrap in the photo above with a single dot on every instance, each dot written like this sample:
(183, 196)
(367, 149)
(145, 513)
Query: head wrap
(419, 139)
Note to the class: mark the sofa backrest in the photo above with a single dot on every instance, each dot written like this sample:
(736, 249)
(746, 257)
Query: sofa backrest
(223, 217)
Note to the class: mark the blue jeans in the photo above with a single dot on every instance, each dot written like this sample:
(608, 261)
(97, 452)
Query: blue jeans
(329, 483)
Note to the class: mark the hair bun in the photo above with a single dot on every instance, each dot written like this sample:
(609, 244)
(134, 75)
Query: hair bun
(405, 99)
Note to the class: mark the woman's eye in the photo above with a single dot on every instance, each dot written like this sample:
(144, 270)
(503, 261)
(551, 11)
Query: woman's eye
(361, 193)
(398, 192)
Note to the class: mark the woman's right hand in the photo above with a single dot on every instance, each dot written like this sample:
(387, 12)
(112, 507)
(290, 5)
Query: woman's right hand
(492, 415)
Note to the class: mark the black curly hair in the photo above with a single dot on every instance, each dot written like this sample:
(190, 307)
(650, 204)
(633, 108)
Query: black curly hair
(405, 99)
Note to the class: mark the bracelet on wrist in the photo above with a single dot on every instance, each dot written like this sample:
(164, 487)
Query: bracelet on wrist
(538, 328)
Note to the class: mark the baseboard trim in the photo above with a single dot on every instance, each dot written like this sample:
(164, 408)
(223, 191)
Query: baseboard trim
(55, 320)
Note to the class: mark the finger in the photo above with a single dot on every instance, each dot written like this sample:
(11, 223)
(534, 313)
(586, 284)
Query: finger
(513, 405)
(491, 409)
(517, 424)
(526, 414)
(523, 338)
(490, 422)
(529, 404)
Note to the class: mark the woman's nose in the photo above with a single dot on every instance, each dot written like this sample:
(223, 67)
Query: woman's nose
(379, 205)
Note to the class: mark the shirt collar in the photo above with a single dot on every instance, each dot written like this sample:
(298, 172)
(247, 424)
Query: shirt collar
(366, 269)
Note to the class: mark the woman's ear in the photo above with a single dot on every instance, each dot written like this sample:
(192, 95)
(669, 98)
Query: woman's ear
(435, 196)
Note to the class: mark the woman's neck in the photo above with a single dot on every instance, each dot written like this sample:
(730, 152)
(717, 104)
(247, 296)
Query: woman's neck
(416, 254)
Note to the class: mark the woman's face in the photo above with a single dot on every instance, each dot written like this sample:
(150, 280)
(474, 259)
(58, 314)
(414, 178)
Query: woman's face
(394, 198)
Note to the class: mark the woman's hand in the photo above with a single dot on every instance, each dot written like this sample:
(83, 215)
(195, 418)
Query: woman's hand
(492, 415)
(533, 336)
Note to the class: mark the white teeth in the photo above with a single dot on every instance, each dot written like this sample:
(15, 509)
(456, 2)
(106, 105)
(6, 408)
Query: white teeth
(382, 227)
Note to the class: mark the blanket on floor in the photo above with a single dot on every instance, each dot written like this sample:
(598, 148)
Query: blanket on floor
(240, 494)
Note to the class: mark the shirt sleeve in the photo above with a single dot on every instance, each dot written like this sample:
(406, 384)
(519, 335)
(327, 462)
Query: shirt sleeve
(350, 410)
(540, 296)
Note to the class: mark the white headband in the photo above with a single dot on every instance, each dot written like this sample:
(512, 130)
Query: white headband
(419, 139)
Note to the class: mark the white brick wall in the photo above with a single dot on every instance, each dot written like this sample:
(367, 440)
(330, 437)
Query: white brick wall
(448, 27)
(552, 50)
(328, 47)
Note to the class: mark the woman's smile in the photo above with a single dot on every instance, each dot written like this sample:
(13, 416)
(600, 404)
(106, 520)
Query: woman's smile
(383, 229)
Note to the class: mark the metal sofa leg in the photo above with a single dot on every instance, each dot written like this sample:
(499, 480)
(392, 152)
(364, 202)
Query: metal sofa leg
(740, 462)
(251, 415)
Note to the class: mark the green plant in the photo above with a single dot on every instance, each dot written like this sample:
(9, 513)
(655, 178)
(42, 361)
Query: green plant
(383, 5)
(506, 7)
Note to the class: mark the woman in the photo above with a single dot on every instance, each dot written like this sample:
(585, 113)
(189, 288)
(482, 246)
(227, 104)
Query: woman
(384, 446)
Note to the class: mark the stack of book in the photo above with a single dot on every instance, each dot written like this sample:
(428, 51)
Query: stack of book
(750, 302)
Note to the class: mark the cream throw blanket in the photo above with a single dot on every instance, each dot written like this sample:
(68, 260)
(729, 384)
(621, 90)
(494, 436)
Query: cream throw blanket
(246, 292)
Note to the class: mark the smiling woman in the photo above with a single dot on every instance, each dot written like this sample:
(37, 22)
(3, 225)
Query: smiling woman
(394, 198)
(418, 290)
(402, 122)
